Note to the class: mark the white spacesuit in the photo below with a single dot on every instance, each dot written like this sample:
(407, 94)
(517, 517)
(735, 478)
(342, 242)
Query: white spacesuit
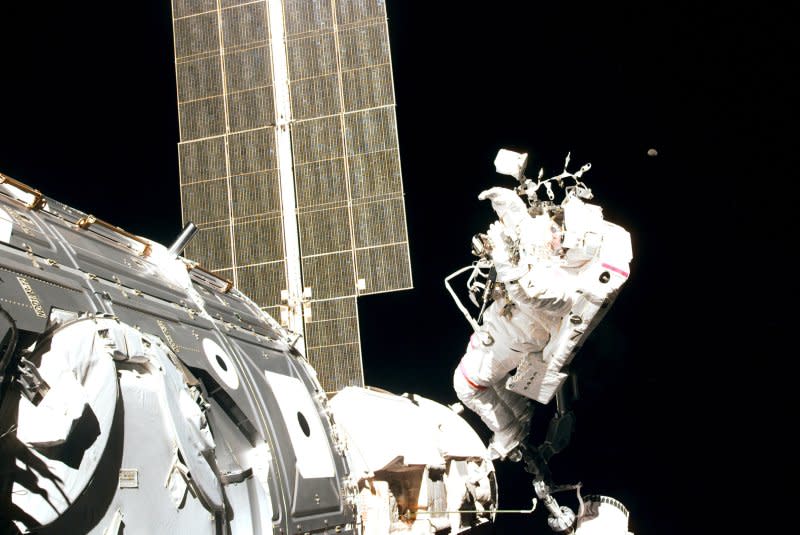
(553, 283)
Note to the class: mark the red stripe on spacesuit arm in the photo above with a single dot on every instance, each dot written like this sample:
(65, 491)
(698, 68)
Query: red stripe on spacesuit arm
(616, 269)
(469, 381)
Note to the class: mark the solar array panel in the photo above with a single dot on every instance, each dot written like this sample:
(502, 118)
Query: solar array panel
(345, 167)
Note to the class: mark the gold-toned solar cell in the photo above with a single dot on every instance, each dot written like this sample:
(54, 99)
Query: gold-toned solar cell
(325, 230)
(364, 46)
(263, 282)
(370, 131)
(331, 309)
(252, 151)
(211, 246)
(248, 68)
(232, 3)
(370, 87)
(303, 16)
(337, 366)
(245, 25)
(202, 118)
(199, 78)
(384, 268)
(196, 34)
(256, 194)
(379, 223)
(312, 55)
(321, 182)
(375, 174)
(202, 160)
(206, 202)
(258, 241)
(316, 97)
(316, 139)
(330, 275)
(183, 8)
(334, 332)
(354, 11)
(251, 109)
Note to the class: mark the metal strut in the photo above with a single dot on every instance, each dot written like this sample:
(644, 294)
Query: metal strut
(535, 460)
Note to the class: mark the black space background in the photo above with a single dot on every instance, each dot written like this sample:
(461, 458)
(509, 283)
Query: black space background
(685, 413)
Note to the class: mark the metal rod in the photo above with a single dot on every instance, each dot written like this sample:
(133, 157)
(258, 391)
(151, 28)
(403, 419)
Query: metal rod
(186, 234)
(409, 514)
(485, 511)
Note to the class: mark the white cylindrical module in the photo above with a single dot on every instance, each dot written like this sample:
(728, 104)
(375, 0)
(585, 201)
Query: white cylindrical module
(603, 516)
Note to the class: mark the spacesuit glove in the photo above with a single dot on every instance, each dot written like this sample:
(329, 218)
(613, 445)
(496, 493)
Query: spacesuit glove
(546, 288)
(507, 204)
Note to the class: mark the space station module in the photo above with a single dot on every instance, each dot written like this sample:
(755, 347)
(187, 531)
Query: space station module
(142, 393)
(556, 269)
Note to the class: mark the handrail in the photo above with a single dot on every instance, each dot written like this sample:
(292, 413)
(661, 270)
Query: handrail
(38, 199)
(228, 282)
(86, 221)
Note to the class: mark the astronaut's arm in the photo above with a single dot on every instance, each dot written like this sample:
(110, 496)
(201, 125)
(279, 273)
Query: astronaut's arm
(510, 208)
(547, 287)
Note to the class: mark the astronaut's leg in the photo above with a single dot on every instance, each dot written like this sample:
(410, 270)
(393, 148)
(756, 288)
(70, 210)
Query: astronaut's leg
(478, 379)
(478, 393)
(519, 405)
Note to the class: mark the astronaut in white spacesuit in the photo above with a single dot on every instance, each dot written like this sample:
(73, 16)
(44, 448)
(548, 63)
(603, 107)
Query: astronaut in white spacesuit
(556, 274)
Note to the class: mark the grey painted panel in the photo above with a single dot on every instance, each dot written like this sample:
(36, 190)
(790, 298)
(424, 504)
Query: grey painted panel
(227, 307)
(120, 264)
(253, 511)
(316, 502)
(29, 232)
(132, 289)
(29, 293)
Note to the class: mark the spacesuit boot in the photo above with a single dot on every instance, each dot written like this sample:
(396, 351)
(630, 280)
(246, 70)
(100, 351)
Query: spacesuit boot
(504, 443)
(506, 440)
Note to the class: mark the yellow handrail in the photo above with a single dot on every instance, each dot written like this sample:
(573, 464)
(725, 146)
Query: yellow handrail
(38, 199)
(87, 221)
